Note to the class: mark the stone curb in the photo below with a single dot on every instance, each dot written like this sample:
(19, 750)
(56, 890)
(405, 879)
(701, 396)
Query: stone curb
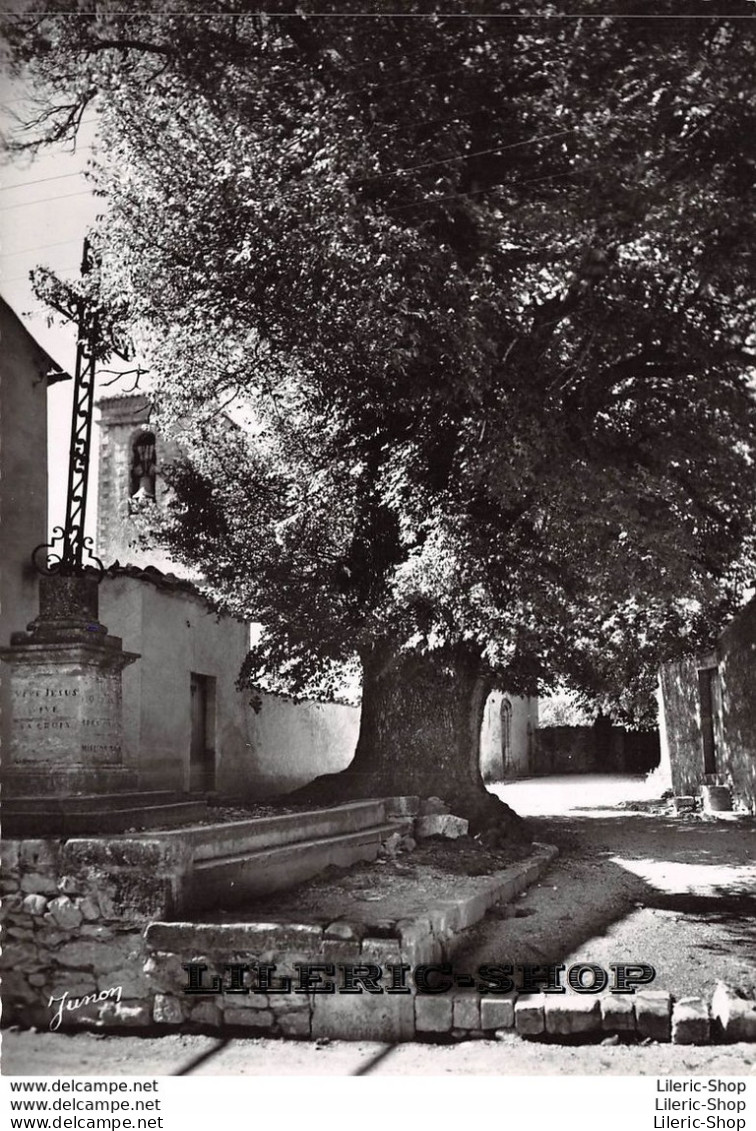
(423, 939)
(647, 1015)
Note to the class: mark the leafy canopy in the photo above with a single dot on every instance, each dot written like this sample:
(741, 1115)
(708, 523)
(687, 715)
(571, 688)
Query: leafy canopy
(482, 291)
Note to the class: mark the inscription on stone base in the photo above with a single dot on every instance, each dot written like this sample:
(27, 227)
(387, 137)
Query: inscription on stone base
(65, 713)
(65, 716)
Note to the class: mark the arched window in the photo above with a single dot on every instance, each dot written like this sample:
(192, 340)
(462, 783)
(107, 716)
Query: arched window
(143, 468)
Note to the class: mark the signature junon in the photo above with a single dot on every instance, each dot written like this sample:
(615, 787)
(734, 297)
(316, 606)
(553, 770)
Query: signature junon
(71, 1004)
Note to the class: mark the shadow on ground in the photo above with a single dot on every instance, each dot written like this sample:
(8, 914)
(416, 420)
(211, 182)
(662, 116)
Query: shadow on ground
(679, 893)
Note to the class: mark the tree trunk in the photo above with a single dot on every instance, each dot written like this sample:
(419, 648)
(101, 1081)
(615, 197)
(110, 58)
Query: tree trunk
(420, 736)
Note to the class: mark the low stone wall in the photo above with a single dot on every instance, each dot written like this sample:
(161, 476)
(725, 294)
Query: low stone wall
(89, 942)
(73, 915)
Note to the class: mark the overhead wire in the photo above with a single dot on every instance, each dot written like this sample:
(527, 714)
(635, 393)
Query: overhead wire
(42, 180)
(462, 157)
(45, 200)
(398, 172)
(39, 247)
(25, 278)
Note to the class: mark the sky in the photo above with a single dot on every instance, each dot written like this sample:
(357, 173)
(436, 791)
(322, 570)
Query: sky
(46, 208)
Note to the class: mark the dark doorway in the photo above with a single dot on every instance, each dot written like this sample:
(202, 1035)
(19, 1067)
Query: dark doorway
(707, 678)
(202, 751)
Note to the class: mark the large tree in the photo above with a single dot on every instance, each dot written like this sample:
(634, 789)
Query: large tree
(480, 293)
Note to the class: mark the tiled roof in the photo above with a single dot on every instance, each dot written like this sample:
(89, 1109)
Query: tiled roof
(155, 576)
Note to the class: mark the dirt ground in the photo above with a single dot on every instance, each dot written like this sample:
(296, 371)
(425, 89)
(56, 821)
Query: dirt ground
(88, 1054)
(680, 895)
(383, 892)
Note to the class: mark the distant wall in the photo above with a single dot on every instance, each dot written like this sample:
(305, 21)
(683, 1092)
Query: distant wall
(507, 755)
(594, 750)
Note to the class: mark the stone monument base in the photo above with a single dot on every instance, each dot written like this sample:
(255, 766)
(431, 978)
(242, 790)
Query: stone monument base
(99, 814)
(64, 770)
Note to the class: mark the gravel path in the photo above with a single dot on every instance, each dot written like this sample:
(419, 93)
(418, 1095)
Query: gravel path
(631, 885)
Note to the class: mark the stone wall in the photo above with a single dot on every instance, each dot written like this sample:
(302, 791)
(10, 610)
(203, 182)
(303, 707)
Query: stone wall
(292, 743)
(73, 915)
(734, 714)
(682, 753)
(89, 941)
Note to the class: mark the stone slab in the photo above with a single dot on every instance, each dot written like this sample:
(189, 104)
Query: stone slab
(617, 1014)
(529, 1015)
(569, 1014)
(497, 1012)
(115, 816)
(362, 1017)
(691, 1022)
(402, 806)
(440, 824)
(235, 838)
(466, 1012)
(250, 874)
(734, 1016)
(433, 1013)
(232, 938)
(653, 1014)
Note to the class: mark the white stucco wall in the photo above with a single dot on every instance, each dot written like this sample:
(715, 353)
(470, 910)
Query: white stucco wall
(292, 743)
(284, 745)
(175, 634)
(523, 722)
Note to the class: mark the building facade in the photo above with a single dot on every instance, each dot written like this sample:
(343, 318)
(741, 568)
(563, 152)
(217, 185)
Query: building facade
(708, 715)
(26, 373)
(508, 737)
(187, 725)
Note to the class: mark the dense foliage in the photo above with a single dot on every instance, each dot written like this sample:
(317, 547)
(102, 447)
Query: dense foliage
(479, 292)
